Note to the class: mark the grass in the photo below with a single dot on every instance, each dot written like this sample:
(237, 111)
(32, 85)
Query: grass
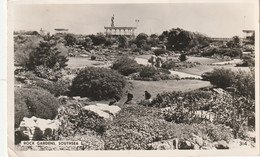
(75, 62)
(155, 87)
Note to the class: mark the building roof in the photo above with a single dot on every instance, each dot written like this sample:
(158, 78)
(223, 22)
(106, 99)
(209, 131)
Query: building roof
(60, 29)
(248, 31)
(120, 27)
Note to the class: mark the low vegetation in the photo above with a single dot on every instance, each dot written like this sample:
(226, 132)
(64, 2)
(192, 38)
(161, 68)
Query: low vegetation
(34, 102)
(98, 83)
(45, 87)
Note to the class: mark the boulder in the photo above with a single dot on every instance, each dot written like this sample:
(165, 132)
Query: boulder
(221, 145)
(29, 125)
(186, 145)
(103, 110)
(164, 145)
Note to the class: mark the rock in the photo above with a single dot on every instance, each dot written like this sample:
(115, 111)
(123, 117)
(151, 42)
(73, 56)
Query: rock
(221, 145)
(111, 109)
(162, 145)
(29, 125)
(79, 99)
(198, 140)
(186, 145)
(103, 110)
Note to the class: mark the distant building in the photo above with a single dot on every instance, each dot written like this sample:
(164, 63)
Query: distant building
(61, 31)
(43, 32)
(116, 31)
(221, 39)
(248, 33)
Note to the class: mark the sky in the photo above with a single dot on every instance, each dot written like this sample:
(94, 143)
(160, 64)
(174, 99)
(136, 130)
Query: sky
(211, 19)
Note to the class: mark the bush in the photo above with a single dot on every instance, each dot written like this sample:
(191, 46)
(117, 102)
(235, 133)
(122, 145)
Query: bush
(126, 66)
(248, 61)
(136, 127)
(225, 108)
(79, 120)
(168, 99)
(47, 55)
(148, 71)
(242, 81)
(34, 102)
(222, 78)
(93, 57)
(182, 57)
(159, 52)
(168, 65)
(97, 83)
(57, 88)
(245, 83)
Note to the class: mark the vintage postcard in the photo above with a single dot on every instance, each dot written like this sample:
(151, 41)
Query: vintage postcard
(132, 78)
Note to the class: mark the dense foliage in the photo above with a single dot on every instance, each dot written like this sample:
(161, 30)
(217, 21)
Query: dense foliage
(126, 65)
(206, 106)
(75, 119)
(97, 83)
(34, 102)
(159, 52)
(47, 55)
(243, 82)
(136, 127)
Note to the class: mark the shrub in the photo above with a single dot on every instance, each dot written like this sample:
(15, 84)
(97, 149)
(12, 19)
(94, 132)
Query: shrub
(148, 71)
(245, 83)
(248, 61)
(146, 47)
(159, 52)
(93, 57)
(168, 65)
(242, 81)
(182, 57)
(34, 102)
(21, 109)
(47, 55)
(167, 99)
(79, 120)
(57, 88)
(97, 83)
(136, 127)
(222, 78)
(126, 66)
(47, 73)
(222, 108)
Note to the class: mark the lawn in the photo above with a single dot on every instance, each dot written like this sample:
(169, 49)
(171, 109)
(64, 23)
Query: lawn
(155, 87)
(76, 62)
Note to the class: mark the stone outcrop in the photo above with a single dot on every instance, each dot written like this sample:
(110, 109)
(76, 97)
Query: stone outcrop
(103, 110)
(30, 126)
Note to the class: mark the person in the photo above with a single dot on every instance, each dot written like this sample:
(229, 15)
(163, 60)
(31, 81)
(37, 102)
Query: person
(129, 97)
(147, 95)
(114, 100)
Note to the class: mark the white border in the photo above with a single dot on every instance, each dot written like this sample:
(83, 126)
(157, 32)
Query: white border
(124, 153)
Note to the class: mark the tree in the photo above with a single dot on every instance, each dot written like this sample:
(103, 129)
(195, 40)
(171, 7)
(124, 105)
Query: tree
(153, 40)
(70, 39)
(47, 55)
(234, 43)
(98, 39)
(141, 40)
(179, 39)
(163, 36)
(122, 41)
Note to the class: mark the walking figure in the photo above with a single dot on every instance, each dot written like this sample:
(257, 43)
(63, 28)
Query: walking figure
(129, 98)
(147, 95)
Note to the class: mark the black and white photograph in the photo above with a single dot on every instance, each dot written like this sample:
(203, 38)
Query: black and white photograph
(154, 77)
